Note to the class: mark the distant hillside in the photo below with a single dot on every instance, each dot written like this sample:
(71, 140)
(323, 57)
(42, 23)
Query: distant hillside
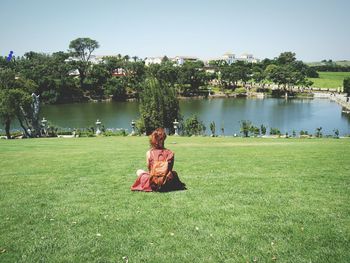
(344, 63)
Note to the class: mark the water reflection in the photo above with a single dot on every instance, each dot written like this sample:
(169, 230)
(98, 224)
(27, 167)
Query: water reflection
(287, 115)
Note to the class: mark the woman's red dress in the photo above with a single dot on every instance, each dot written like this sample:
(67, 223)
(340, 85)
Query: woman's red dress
(142, 182)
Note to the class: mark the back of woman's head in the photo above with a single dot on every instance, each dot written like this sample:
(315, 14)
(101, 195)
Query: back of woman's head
(157, 138)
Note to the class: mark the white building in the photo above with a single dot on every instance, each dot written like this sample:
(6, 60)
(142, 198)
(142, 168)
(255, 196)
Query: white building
(94, 59)
(248, 58)
(229, 58)
(180, 60)
(153, 60)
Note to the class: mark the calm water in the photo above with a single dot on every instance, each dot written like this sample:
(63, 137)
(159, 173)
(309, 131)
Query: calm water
(287, 115)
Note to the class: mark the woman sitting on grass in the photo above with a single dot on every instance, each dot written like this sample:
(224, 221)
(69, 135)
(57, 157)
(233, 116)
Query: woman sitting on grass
(160, 161)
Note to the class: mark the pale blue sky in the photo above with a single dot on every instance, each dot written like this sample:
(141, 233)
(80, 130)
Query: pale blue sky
(313, 29)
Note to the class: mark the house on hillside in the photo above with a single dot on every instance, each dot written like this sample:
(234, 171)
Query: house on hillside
(74, 72)
(180, 60)
(119, 72)
(248, 58)
(153, 60)
(229, 58)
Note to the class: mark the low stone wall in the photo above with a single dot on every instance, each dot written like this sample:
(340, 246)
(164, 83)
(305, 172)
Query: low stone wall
(341, 99)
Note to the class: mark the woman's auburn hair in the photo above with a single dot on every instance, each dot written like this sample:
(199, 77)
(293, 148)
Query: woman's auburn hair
(157, 138)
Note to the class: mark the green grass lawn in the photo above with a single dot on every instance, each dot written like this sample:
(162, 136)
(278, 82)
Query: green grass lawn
(329, 79)
(268, 200)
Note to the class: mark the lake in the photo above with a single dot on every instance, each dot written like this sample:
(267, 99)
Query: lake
(287, 115)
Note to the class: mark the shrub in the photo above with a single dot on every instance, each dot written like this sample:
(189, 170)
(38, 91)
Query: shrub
(193, 126)
(118, 132)
(140, 127)
(240, 90)
(318, 132)
(245, 127)
(64, 132)
(212, 128)
(51, 130)
(336, 133)
(275, 131)
(263, 129)
(86, 132)
(254, 130)
(304, 132)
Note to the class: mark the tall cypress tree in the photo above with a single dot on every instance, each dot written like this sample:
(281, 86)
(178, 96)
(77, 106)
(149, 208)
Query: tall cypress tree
(159, 106)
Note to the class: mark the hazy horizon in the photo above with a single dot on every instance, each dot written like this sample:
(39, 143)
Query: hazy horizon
(314, 30)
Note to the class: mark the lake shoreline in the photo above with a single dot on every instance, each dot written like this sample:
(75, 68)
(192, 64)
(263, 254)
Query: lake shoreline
(295, 113)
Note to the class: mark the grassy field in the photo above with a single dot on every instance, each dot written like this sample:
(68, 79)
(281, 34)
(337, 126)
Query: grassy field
(248, 200)
(329, 79)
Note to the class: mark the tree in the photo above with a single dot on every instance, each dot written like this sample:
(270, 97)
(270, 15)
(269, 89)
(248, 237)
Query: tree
(191, 77)
(135, 58)
(228, 76)
(231, 74)
(81, 49)
(243, 71)
(7, 99)
(286, 58)
(258, 74)
(287, 72)
(96, 80)
(16, 101)
(168, 73)
(346, 85)
(165, 72)
(159, 106)
(51, 74)
(113, 63)
(115, 87)
(165, 59)
(134, 75)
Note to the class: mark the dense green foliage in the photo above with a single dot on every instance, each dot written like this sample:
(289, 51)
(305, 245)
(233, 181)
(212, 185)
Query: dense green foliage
(159, 107)
(81, 50)
(275, 131)
(332, 66)
(77, 75)
(288, 72)
(16, 102)
(245, 127)
(194, 126)
(263, 200)
(346, 85)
